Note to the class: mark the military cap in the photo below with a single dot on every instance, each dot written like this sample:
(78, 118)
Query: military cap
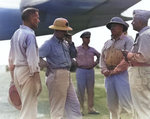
(86, 34)
(143, 13)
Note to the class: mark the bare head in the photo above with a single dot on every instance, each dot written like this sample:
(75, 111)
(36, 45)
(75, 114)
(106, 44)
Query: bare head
(140, 19)
(30, 17)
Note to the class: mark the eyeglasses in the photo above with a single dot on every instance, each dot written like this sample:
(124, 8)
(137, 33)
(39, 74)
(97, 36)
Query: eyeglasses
(114, 25)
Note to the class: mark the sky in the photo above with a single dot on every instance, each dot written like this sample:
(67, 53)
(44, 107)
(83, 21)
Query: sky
(99, 35)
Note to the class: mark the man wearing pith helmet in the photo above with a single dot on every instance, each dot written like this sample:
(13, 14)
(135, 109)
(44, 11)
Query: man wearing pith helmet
(85, 72)
(139, 59)
(114, 68)
(58, 52)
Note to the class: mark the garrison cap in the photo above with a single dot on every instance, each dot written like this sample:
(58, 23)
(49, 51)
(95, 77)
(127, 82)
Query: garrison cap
(142, 13)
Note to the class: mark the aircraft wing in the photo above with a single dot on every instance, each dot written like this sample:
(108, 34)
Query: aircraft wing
(81, 14)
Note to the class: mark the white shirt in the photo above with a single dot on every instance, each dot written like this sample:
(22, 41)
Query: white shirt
(24, 49)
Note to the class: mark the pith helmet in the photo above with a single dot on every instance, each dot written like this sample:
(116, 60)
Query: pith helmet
(127, 25)
(61, 24)
(117, 20)
(14, 98)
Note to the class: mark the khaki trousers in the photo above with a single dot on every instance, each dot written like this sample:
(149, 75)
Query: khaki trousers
(140, 90)
(62, 95)
(26, 88)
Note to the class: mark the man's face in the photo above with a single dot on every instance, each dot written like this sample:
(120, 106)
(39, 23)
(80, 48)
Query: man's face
(116, 29)
(136, 24)
(34, 20)
(61, 34)
(86, 40)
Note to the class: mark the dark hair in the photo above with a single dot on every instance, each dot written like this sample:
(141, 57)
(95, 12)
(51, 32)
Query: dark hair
(26, 13)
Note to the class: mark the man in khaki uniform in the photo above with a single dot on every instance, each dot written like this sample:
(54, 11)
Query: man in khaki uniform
(139, 58)
(114, 68)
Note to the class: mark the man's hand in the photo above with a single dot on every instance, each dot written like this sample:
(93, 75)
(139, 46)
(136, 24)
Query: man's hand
(106, 73)
(68, 38)
(43, 63)
(38, 83)
(125, 53)
(111, 72)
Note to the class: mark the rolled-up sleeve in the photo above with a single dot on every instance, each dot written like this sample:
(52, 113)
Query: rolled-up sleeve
(102, 62)
(73, 51)
(142, 54)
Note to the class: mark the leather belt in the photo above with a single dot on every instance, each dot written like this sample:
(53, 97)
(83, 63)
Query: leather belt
(111, 67)
(66, 68)
(85, 68)
(20, 65)
(140, 64)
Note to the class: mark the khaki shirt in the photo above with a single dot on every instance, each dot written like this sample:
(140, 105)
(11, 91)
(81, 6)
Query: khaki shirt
(141, 48)
(123, 43)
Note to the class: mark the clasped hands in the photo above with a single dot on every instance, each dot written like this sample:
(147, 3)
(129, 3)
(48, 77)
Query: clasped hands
(109, 73)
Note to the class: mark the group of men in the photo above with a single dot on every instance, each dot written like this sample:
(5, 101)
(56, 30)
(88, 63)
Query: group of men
(126, 66)
(25, 60)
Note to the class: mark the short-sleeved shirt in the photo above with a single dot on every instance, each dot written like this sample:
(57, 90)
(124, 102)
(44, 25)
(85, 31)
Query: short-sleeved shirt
(123, 43)
(85, 57)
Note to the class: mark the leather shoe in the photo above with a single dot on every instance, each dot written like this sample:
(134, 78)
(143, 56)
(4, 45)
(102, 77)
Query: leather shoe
(82, 113)
(93, 112)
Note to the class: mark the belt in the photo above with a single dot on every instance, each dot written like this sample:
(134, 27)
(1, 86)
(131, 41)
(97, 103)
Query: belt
(140, 64)
(66, 68)
(20, 65)
(85, 68)
(111, 67)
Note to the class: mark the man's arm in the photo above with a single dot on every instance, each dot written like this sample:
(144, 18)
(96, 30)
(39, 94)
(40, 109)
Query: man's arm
(72, 49)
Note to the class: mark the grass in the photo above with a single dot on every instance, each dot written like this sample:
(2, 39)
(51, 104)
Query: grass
(7, 111)
(100, 103)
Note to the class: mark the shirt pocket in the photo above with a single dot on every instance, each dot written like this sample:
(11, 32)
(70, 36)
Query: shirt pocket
(60, 53)
(80, 55)
(91, 57)
(57, 51)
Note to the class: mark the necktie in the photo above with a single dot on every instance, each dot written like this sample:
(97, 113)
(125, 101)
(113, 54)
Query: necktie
(136, 37)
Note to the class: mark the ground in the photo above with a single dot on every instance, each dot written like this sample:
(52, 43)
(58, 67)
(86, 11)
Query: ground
(9, 112)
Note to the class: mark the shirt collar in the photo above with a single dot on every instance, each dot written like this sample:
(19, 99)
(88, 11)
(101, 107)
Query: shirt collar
(58, 41)
(120, 38)
(83, 47)
(27, 28)
(145, 28)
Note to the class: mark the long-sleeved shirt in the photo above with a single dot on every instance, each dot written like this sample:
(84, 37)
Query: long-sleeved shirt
(24, 49)
(140, 51)
(123, 43)
(85, 57)
(58, 54)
